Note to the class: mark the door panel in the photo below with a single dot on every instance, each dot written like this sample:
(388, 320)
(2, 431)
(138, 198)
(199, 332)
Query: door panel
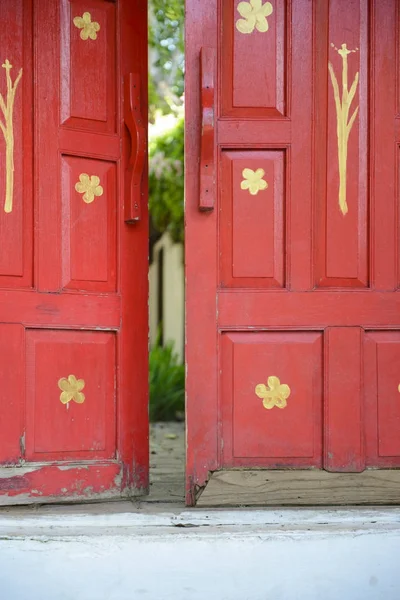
(278, 427)
(261, 90)
(88, 225)
(252, 219)
(289, 274)
(16, 232)
(88, 95)
(74, 420)
(81, 425)
(382, 394)
(342, 173)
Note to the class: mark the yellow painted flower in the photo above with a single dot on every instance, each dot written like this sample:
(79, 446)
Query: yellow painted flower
(275, 394)
(89, 27)
(253, 181)
(254, 15)
(89, 187)
(71, 389)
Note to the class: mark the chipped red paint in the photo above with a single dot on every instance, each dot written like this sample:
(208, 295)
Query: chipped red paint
(57, 482)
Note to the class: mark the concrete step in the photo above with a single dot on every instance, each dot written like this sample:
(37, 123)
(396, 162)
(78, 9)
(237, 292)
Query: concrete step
(87, 553)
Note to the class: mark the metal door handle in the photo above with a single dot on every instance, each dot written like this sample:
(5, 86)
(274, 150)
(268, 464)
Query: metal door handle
(136, 161)
(207, 147)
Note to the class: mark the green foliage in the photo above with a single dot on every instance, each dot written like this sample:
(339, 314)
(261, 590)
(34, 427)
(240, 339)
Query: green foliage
(167, 384)
(166, 182)
(167, 54)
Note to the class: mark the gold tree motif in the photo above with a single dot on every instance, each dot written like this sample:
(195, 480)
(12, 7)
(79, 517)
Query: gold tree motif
(6, 126)
(344, 124)
(254, 15)
(253, 181)
(89, 28)
(276, 394)
(89, 187)
(71, 389)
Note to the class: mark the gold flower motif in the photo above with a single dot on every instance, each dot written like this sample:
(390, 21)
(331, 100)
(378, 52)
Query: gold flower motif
(253, 181)
(254, 15)
(71, 389)
(89, 28)
(275, 394)
(89, 187)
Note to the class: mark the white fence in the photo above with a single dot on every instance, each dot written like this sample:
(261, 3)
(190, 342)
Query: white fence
(167, 293)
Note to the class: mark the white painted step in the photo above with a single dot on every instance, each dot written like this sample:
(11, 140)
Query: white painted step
(302, 554)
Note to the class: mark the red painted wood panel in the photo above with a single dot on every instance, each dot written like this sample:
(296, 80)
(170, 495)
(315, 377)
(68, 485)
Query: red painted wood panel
(58, 310)
(317, 310)
(385, 71)
(342, 134)
(200, 245)
(55, 482)
(81, 428)
(261, 89)
(288, 433)
(382, 397)
(88, 225)
(88, 98)
(343, 430)
(16, 214)
(12, 365)
(252, 219)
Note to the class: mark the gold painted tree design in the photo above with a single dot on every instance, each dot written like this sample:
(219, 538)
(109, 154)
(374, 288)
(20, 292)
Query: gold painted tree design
(6, 126)
(344, 124)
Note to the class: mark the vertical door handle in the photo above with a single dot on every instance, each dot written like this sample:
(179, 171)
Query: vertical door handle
(207, 145)
(136, 162)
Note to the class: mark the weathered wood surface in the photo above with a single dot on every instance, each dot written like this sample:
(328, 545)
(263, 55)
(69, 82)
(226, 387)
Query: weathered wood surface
(273, 488)
(167, 463)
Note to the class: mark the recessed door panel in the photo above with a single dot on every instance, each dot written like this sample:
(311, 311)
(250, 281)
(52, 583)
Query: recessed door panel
(252, 218)
(382, 394)
(254, 63)
(16, 184)
(271, 396)
(88, 65)
(89, 220)
(72, 398)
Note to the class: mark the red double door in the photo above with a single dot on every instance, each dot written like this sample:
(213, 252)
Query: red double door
(293, 305)
(292, 208)
(73, 254)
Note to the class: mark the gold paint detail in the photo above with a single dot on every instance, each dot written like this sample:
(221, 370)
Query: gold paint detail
(344, 124)
(275, 394)
(89, 187)
(88, 27)
(254, 15)
(71, 389)
(253, 181)
(7, 129)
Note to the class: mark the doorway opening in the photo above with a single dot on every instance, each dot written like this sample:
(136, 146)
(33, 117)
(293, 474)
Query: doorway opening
(166, 255)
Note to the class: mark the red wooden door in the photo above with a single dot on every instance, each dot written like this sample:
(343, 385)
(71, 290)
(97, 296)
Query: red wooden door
(73, 256)
(292, 236)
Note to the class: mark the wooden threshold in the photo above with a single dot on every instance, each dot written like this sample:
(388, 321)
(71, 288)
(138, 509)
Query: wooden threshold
(261, 487)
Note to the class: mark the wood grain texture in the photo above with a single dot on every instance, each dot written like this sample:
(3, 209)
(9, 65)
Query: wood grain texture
(280, 488)
(343, 431)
